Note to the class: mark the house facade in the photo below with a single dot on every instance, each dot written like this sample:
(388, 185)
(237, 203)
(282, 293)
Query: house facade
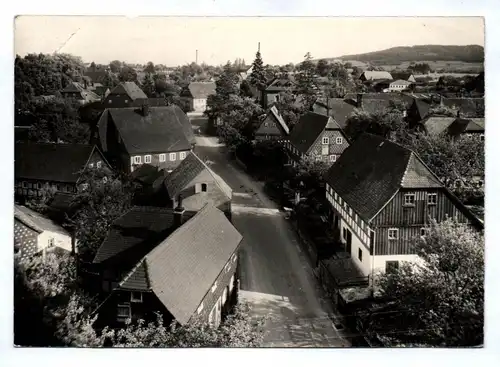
(159, 136)
(51, 166)
(80, 92)
(124, 95)
(399, 85)
(271, 93)
(34, 233)
(197, 94)
(273, 127)
(316, 137)
(382, 197)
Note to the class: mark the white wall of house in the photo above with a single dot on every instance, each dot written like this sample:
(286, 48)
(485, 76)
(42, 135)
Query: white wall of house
(199, 104)
(357, 244)
(379, 261)
(60, 240)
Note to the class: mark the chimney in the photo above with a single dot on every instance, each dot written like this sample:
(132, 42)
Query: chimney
(145, 109)
(84, 83)
(359, 102)
(458, 114)
(327, 105)
(178, 213)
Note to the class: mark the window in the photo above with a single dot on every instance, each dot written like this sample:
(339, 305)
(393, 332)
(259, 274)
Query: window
(481, 137)
(344, 233)
(109, 101)
(204, 187)
(126, 101)
(136, 297)
(333, 158)
(339, 140)
(137, 159)
(391, 266)
(393, 233)
(123, 312)
(163, 157)
(182, 155)
(266, 124)
(99, 164)
(324, 149)
(318, 158)
(423, 231)
(172, 156)
(147, 159)
(51, 242)
(409, 200)
(214, 287)
(91, 165)
(432, 199)
(360, 255)
(325, 140)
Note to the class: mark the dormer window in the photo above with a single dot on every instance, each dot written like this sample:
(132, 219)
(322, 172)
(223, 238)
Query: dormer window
(325, 140)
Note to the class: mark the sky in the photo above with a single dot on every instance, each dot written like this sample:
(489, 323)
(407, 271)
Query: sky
(174, 40)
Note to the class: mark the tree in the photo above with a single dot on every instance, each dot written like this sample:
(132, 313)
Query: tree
(115, 66)
(440, 301)
(306, 81)
(226, 86)
(150, 68)
(148, 85)
(323, 67)
(127, 74)
(257, 76)
(288, 108)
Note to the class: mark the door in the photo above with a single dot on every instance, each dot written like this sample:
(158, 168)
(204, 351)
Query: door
(348, 241)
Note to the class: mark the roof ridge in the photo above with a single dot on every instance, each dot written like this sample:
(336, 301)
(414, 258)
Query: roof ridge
(213, 174)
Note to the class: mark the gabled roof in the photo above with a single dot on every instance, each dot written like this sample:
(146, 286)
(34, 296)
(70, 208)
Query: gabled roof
(404, 75)
(422, 107)
(467, 106)
(37, 221)
(372, 170)
(130, 89)
(97, 75)
(377, 75)
(87, 94)
(186, 171)
(182, 268)
(339, 109)
(435, 125)
(201, 90)
(140, 226)
(309, 128)
(164, 129)
(460, 126)
(274, 114)
(401, 82)
(51, 161)
(281, 84)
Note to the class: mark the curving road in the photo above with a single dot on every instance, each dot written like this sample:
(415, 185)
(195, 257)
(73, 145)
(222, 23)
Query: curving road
(276, 276)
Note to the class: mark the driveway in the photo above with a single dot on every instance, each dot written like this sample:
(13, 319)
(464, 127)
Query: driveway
(276, 277)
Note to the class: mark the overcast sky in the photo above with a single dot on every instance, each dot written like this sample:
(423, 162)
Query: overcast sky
(174, 40)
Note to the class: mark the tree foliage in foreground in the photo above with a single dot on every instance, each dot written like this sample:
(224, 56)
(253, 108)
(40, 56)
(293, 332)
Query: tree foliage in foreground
(439, 302)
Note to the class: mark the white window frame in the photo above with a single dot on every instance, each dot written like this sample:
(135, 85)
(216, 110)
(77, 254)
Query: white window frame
(50, 242)
(137, 159)
(339, 140)
(135, 299)
(481, 137)
(266, 124)
(325, 140)
(393, 230)
(91, 165)
(172, 157)
(147, 158)
(98, 164)
(333, 158)
(182, 155)
(406, 203)
(432, 202)
(123, 317)
(163, 157)
(214, 287)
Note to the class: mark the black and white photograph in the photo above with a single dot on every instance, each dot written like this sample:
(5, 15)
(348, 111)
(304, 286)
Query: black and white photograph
(248, 182)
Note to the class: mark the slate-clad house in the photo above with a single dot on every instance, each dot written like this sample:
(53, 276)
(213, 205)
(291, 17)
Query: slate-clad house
(40, 166)
(159, 136)
(316, 137)
(197, 94)
(337, 108)
(124, 95)
(272, 127)
(34, 233)
(278, 85)
(382, 196)
(184, 273)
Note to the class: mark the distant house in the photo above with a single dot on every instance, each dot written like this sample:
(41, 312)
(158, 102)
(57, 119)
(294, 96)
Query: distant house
(337, 108)
(160, 136)
(375, 75)
(452, 126)
(197, 94)
(183, 267)
(468, 107)
(96, 76)
(277, 86)
(34, 233)
(53, 166)
(418, 110)
(378, 102)
(124, 95)
(317, 137)
(399, 85)
(382, 196)
(272, 127)
(80, 93)
(403, 75)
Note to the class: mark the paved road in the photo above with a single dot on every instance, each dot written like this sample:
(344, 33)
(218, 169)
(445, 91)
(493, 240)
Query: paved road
(276, 276)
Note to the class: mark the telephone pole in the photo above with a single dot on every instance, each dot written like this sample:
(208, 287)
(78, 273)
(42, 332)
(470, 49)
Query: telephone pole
(196, 57)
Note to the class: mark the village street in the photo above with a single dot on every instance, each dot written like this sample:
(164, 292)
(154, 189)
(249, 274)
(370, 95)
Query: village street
(276, 276)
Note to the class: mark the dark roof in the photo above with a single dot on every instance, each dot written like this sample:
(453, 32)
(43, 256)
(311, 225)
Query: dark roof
(37, 221)
(422, 107)
(308, 129)
(186, 171)
(339, 109)
(140, 226)
(201, 90)
(435, 125)
(62, 201)
(164, 129)
(130, 89)
(273, 114)
(467, 106)
(51, 161)
(460, 126)
(96, 76)
(404, 75)
(280, 84)
(146, 174)
(183, 268)
(372, 170)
